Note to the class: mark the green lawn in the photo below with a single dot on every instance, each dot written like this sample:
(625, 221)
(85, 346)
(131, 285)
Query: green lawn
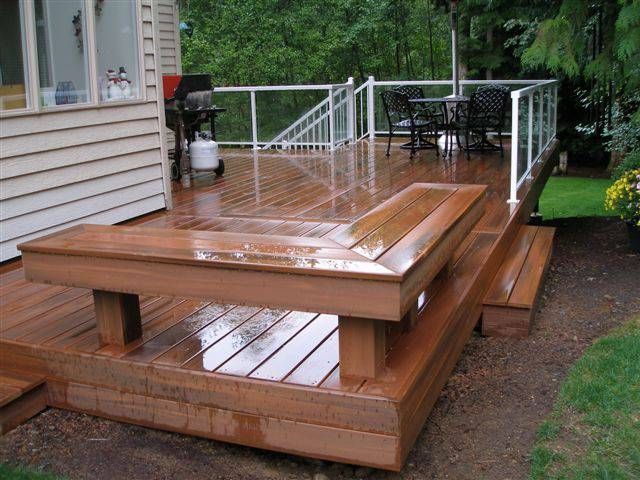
(594, 429)
(17, 473)
(574, 197)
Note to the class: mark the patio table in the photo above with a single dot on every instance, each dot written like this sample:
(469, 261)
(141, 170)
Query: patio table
(449, 115)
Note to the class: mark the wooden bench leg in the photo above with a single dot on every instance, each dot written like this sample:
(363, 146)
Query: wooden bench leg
(410, 318)
(117, 317)
(362, 346)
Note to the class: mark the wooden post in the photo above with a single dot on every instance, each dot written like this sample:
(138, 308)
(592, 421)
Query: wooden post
(371, 108)
(117, 317)
(410, 318)
(362, 346)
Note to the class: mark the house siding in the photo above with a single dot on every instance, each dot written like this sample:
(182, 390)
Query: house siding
(91, 165)
(169, 37)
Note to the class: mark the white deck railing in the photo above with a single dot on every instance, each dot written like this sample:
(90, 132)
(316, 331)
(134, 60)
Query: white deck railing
(327, 125)
(535, 110)
(344, 114)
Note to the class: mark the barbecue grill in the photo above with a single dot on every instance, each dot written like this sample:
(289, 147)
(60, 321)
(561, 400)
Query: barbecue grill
(188, 104)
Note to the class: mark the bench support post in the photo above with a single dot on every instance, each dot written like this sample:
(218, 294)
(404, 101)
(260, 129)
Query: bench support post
(362, 346)
(117, 317)
(410, 318)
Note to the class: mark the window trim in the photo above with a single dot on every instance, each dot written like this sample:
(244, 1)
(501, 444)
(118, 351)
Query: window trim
(32, 80)
(25, 10)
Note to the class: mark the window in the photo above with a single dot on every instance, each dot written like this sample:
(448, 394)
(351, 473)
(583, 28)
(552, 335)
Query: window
(117, 50)
(13, 85)
(61, 40)
(57, 53)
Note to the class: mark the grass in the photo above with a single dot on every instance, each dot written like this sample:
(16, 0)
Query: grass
(593, 431)
(565, 197)
(19, 473)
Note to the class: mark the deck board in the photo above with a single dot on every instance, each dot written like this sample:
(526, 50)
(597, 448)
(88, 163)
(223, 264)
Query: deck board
(271, 193)
(293, 353)
(246, 360)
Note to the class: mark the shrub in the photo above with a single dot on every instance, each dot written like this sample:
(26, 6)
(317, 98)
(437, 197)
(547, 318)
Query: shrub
(624, 196)
(630, 162)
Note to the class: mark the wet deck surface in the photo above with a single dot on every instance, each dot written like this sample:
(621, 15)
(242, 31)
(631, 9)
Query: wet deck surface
(306, 194)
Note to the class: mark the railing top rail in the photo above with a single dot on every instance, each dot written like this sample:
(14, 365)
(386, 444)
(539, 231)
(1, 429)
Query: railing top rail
(502, 82)
(523, 92)
(361, 87)
(275, 88)
(392, 83)
(329, 86)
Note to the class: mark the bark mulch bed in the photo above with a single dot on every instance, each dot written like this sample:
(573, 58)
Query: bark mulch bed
(484, 423)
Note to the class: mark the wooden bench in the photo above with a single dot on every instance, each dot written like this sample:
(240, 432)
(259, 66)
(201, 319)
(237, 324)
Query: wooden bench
(369, 273)
(512, 298)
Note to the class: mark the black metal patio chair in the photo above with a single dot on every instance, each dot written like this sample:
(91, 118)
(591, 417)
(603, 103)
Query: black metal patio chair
(400, 114)
(484, 112)
(435, 112)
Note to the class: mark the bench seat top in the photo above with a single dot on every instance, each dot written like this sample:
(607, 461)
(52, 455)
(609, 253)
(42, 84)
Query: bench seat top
(275, 253)
(401, 242)
(384, 244)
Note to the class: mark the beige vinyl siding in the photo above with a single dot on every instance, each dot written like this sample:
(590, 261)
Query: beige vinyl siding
(170, 53)
(88, 165)
(169, 37)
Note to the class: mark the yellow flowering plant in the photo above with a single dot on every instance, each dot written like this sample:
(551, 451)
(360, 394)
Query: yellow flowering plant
(623, 197)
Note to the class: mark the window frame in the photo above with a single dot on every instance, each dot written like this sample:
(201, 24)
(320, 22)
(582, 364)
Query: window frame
(32, 79)
(24, 11)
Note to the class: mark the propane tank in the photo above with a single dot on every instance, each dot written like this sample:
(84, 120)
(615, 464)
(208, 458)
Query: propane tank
(203, 153)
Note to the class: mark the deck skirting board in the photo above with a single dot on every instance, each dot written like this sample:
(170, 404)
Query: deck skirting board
(414, 422)
(307, 439)
(297, 403)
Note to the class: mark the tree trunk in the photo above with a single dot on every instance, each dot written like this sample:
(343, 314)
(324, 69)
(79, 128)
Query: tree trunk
(489, 71)
(430, 30)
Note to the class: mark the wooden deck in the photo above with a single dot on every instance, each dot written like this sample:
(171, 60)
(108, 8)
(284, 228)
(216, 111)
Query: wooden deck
(265, 377)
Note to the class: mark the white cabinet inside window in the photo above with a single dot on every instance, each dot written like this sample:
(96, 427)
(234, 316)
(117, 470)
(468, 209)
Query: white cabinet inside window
(117, 50)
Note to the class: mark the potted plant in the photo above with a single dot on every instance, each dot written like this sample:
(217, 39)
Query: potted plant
(623, 197)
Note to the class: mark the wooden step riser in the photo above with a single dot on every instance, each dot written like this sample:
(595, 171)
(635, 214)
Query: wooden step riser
(513, 315)
(506, 322)
(22, 408)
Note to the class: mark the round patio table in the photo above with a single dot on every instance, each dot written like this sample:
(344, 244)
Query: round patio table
(448, 114)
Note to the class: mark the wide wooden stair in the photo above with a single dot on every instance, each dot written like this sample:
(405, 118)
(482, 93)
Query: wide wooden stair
(511, 300)
(22, 396)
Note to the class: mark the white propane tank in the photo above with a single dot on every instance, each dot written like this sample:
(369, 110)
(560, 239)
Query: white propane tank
(203, 154)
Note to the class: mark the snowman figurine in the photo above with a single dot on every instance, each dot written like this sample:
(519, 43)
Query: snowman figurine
(114, 92)
(125, 83)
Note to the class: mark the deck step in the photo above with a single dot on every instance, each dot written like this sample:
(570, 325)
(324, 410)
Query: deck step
(22, 395)
(510, 303)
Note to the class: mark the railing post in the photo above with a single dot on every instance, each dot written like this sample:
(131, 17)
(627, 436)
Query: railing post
(371, 108)
(351, 111)
(332, 143)
(540, 121)
(254, 121)
(548, 125)
(555, 110)
(530, 133)
(513, 195)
